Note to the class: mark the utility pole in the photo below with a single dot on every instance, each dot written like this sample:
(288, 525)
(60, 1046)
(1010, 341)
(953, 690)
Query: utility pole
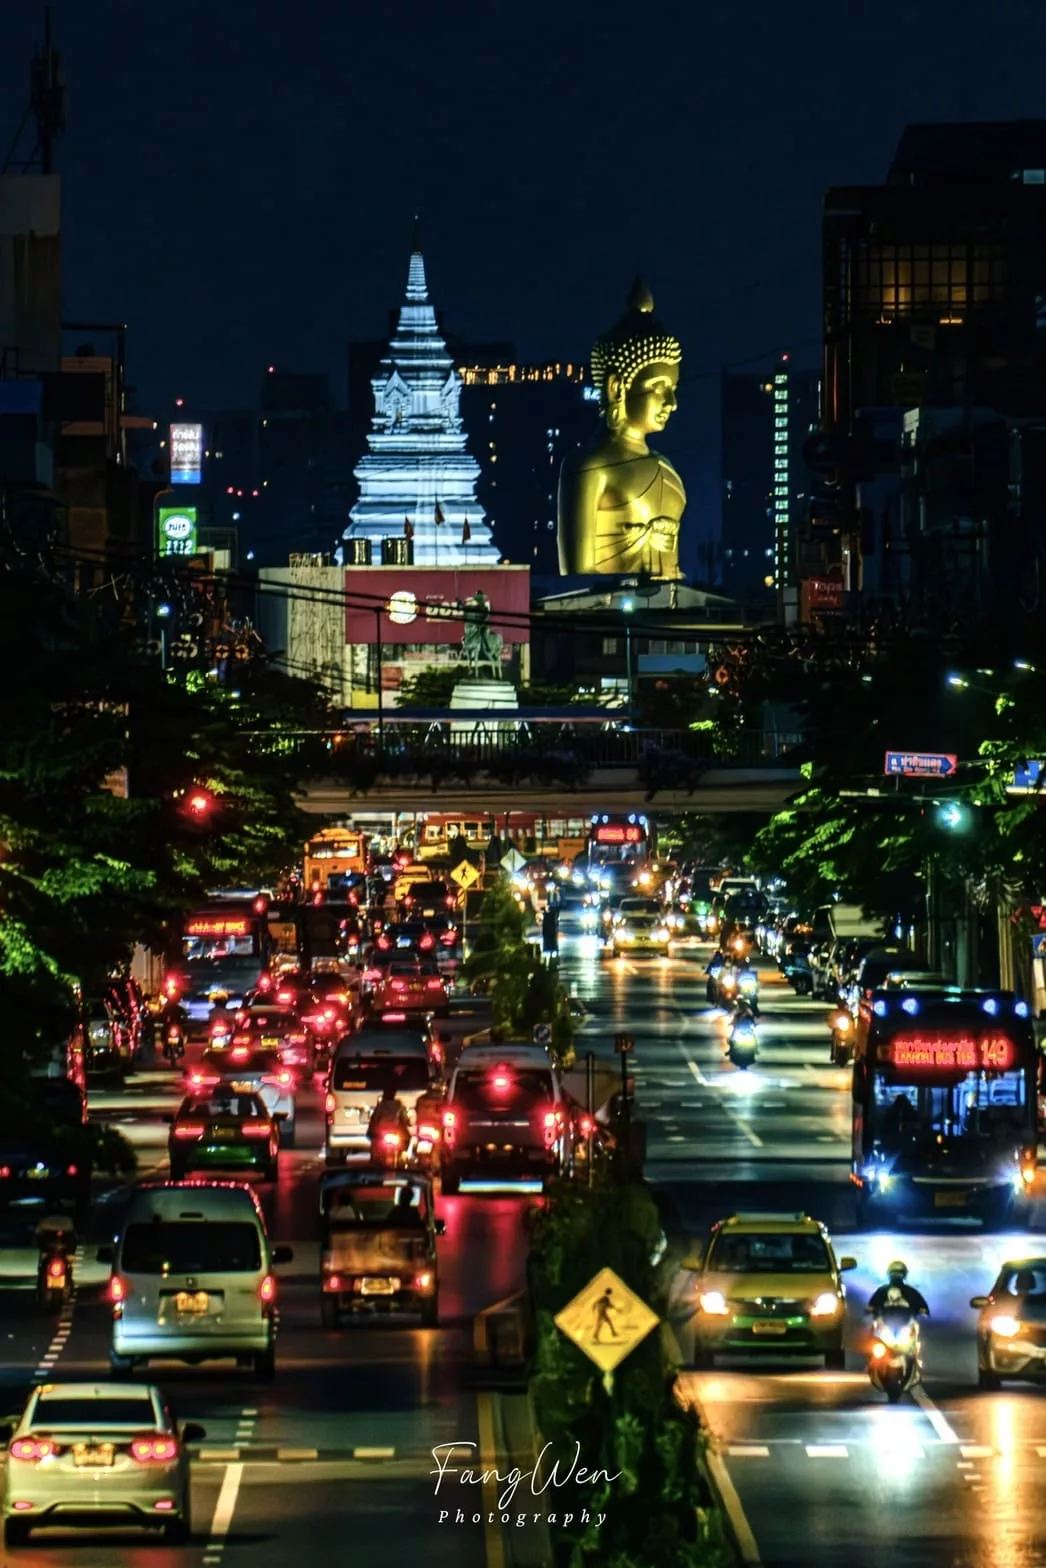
(45, 111)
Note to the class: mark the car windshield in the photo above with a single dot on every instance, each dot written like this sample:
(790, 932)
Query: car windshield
(1026, 1281)
(375, 1074)
(510, 1089)
(83, 1410)
(240, 1106)
(770, 1252)
(231, 1063)
(385, 1205)
(271, 1021)
(191, 1247)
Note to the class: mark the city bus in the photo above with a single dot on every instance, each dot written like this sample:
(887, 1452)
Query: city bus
(331, 856)
(944, 1106)
(617, 840)
(223, 952)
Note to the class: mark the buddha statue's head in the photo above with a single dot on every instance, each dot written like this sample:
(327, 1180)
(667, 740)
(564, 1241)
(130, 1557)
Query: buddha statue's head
(635, 369)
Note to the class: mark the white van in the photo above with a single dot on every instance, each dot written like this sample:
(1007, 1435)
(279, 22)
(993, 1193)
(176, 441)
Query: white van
(192, 1278)
(364, 1066)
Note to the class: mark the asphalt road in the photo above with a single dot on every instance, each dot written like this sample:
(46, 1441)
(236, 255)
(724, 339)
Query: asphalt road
(331, 1463)
(824, 1472)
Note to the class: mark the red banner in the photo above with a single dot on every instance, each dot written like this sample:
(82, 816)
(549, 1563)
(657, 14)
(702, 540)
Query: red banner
(421, 604)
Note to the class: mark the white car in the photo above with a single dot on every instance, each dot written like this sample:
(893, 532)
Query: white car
(248, 1071)
(91, 1454)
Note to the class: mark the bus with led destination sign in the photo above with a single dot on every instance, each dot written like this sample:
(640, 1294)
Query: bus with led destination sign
(618, 844)
(223, 952)
(944, 1106)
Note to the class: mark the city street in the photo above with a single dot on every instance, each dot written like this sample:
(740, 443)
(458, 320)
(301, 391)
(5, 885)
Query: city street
(335, 1455)
(824, 1472)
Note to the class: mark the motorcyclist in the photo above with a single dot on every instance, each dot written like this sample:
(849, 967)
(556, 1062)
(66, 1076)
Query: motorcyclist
(172, 1016)
(713, 971)
(747, 986)
(54, 1237)
(897, 1295)
(389, 1115)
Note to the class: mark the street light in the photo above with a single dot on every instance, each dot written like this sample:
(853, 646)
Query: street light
(627, 606)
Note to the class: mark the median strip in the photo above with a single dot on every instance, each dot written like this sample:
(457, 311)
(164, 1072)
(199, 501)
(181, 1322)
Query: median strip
(373, 1453)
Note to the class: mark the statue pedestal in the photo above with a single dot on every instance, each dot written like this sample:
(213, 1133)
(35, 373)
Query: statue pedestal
(493, 696)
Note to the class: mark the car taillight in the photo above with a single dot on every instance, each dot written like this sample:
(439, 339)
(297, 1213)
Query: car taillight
(285, 996)
(550, 1120)
(240, 1048)
(434, 985)
(171, 986)
(332, 1281)
(328, 1012)
(449, 938)
(384, 943)
(329, 1104)
(257, 1129)
(204, 1080)
(398, 985)
(265, 982)
(117, 1291)
(152, 1450)
(188, 1130)
(450, 901)
(448, 1118)
(281, 1080)
(586, 1126)
(5, 1171)
(56, 1268)
(267, 1290)
(427, 941)
(33, 1448)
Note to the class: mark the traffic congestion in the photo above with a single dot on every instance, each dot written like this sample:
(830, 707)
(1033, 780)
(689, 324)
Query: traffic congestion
(337, 1150)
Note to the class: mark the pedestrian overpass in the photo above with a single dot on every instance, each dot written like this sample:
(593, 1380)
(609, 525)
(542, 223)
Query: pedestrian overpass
(563, 764)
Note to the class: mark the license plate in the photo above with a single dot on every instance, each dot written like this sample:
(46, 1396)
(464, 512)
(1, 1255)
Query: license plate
(949, 1200)
(270, 1039)
(379, 1287)
(769, 1328)
(191, 1301)
(83, 1455)
(243, 1088)
(222, 1135)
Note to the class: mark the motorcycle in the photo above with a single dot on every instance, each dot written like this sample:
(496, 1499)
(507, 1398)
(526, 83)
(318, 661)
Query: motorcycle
(173, 1042)
(895, 1355)
(54, 1275)
(842, 1026)
(743, 1042)
(388, 1149)
(748, 989)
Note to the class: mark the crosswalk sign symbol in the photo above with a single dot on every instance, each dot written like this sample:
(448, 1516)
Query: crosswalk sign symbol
(606, 1320)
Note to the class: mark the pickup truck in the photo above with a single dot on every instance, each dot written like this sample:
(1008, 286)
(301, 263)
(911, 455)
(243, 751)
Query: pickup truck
(378, 1245)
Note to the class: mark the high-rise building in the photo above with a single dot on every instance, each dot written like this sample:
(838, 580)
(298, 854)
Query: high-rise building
(417, 481)
(767, 420)
(935, 326)
(525, 419)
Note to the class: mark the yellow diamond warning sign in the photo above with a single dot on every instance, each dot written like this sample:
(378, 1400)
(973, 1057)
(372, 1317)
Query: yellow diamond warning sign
(606, 1320)
(465, 875)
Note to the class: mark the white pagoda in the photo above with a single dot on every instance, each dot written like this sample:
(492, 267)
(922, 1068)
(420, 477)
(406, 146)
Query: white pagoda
(417, 479)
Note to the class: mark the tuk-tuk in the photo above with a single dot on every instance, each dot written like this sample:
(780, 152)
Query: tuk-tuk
(378, 1245)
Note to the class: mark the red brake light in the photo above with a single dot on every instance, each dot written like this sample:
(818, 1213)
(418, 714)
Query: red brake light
(171, 986)
(451, 901)
(550, 1119)
(329, 1104)
(188, 1130)
(257, 1129)
(586, 1126)
(433, 984)
(32, 1448)
(239, 1053)
(384, 943)
(72, 1170)
(501, 1080)
(427, 941)
(449, 938)
(204, 1080)
(285, 996)
(265, 982)
(394, 1018)
(5, 1171)
(267, 1289)
(117, 1291)
(154, 1449)
(56, 1268)
(448, 1118)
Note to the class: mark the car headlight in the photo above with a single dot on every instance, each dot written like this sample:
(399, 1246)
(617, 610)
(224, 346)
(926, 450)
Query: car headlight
(714, 1303)
(1005, 1327)
(661, 934)
(623, 935)
(826, 1305)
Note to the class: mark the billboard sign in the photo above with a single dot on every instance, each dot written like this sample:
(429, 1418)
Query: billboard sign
(186, 454)
(176, 530)
(427, 604)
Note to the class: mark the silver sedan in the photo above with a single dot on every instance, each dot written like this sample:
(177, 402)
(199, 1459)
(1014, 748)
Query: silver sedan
(94, 1454)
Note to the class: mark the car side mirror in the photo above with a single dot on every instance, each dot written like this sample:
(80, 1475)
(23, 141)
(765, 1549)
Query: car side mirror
(282, 1255)
(846, 1264)
(441, 1227)
(193, 1432)
(979, 1302)
(106, 1255)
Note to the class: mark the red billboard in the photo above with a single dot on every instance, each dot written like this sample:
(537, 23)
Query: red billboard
(423, 604)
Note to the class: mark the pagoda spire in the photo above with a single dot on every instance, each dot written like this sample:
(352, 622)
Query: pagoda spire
(417, 286)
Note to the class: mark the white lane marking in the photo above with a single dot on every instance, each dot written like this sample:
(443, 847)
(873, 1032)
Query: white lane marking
(373, 1453)
(753, 1138)
(827, 1451)
(975, 1451)
(746, 1541)
(225, 1507)
(283, 1454)
(967, 1464)
(747, 1451)
(945, 1432)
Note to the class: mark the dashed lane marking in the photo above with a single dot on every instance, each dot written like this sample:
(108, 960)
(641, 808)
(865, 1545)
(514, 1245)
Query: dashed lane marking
(827, 1451)
(974, 1451)
(742, 1126)
(747, 1451)
(225, 1507)
(945, 1432)
(373, 1453)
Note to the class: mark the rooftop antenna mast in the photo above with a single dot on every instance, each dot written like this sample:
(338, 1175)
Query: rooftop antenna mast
(45, 111)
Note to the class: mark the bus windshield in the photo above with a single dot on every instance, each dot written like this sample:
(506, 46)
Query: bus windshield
(975, 1115)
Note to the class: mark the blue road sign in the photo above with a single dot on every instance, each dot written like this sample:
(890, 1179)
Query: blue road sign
(921, 764)
(1027, 776)
(1038, 945)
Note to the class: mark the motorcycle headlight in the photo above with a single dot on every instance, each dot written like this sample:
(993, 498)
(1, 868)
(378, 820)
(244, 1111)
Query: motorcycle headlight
(1005, 1327)
(826, 1305)
(714, 1303)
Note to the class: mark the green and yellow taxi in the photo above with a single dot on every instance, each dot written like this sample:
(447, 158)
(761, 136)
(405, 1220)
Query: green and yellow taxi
(769, 1284)
(224, 1131)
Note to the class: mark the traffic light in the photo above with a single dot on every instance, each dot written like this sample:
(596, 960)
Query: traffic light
(953, 816)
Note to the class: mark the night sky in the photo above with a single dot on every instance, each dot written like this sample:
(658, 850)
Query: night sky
(239, 176)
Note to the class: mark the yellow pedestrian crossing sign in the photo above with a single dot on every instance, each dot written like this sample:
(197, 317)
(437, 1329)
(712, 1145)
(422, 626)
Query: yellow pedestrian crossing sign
(606, 1320)
(465, 875)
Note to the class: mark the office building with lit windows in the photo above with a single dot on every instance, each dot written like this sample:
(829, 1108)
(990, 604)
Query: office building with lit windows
(935, 359)
(767, 420)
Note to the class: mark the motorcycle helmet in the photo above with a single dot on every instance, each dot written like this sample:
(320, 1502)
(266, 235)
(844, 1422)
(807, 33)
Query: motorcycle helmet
(897, 1270)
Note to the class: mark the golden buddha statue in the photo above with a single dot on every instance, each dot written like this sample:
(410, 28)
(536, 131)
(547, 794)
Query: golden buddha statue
(620, 504)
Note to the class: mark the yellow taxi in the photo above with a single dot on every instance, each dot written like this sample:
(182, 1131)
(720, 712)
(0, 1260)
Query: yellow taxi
(769, 1284)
